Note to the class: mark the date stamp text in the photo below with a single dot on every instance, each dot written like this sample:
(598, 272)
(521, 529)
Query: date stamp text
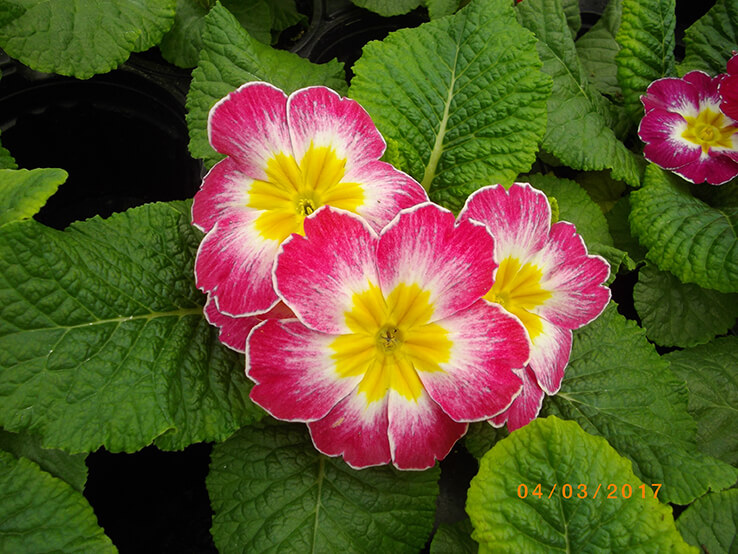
(582, 491)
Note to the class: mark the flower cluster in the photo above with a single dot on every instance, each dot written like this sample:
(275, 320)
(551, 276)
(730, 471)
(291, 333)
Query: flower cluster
(691, 125)
(364, 310)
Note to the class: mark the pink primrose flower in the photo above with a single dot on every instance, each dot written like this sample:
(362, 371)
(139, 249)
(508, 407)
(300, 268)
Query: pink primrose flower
(286, 157)
(545, 278)
(393, 350)
(729, 89)
(685, 131)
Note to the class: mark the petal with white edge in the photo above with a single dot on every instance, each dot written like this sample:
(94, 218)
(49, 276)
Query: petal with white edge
(477, 381)
(234, 264)
(423, 246)
(250, 125)
(318, 275)
(294, 372)
(525, 408)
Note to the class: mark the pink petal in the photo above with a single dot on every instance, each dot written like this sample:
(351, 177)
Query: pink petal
(729, 95)
(250, 125)
(386, 192)
(317, 275)
(706, 86)
(234, 264)
(673, 95)
(422, 246)
(732, 65)
(419, 432)
(574, 278)
(293, 370)
(549, 355)
(519, 218)
(224, 193)
(661, 131)
(715, 168)
(235, 330)
(525, 408)
(356, 431)
(478, 381)
(319, 117)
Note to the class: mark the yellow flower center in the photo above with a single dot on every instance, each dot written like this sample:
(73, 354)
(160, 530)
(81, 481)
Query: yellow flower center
(392, 340)
(709, 129)
(292, 191)
(517, 288)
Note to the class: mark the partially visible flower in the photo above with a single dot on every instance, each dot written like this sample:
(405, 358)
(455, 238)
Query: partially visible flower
(286, 157)
(729, 89)
(235, 330)
(685, 131)
(545, 277)
(394, 350)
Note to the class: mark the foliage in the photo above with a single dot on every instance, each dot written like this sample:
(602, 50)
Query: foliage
(103, 341)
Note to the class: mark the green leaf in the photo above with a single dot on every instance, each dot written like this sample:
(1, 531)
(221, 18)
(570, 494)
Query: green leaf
(678, 314)
(441, 8)
(509, 517)
(711, 523)
(473, 116)
(254, 15)
(40, 513)
(618, 387)
(683, 234)
(618, 218)
(83, 38)
(388, 8)
(6, 159)
(271, 491)
(23, 193)
(182, 43)
(103, 340)
(580, 119)
(481, 437)
(231, 57)
(454, 537)
(285, 14)
(711, 40)
(647, 41)
(601, 188)
(710, 373)
(575, 206)
(69, 468)
(573, 17)
(597, 49)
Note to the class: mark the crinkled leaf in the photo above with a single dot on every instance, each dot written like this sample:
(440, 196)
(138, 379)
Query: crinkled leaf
(711, 523)
(103, 340)
(231, 57)
(618, 387)
(481, 437)
(181, 45)
(454, 537)
(24, 192)
(614, 256)
(575, 206)
(441, 8)
(254, 15)
(388, 8)
(580, 119)
(618, 218)
(597, 49)
(271, 491)
(70, 468)
(601, 188)
(473, 116)
(573, 17)
(710, 373)
(39, 513)
(81, 38)
(647, 41)
(684, 235)
(711, 40)
(6, 159)
(285, 14)
(678, 314)
(556, 453)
